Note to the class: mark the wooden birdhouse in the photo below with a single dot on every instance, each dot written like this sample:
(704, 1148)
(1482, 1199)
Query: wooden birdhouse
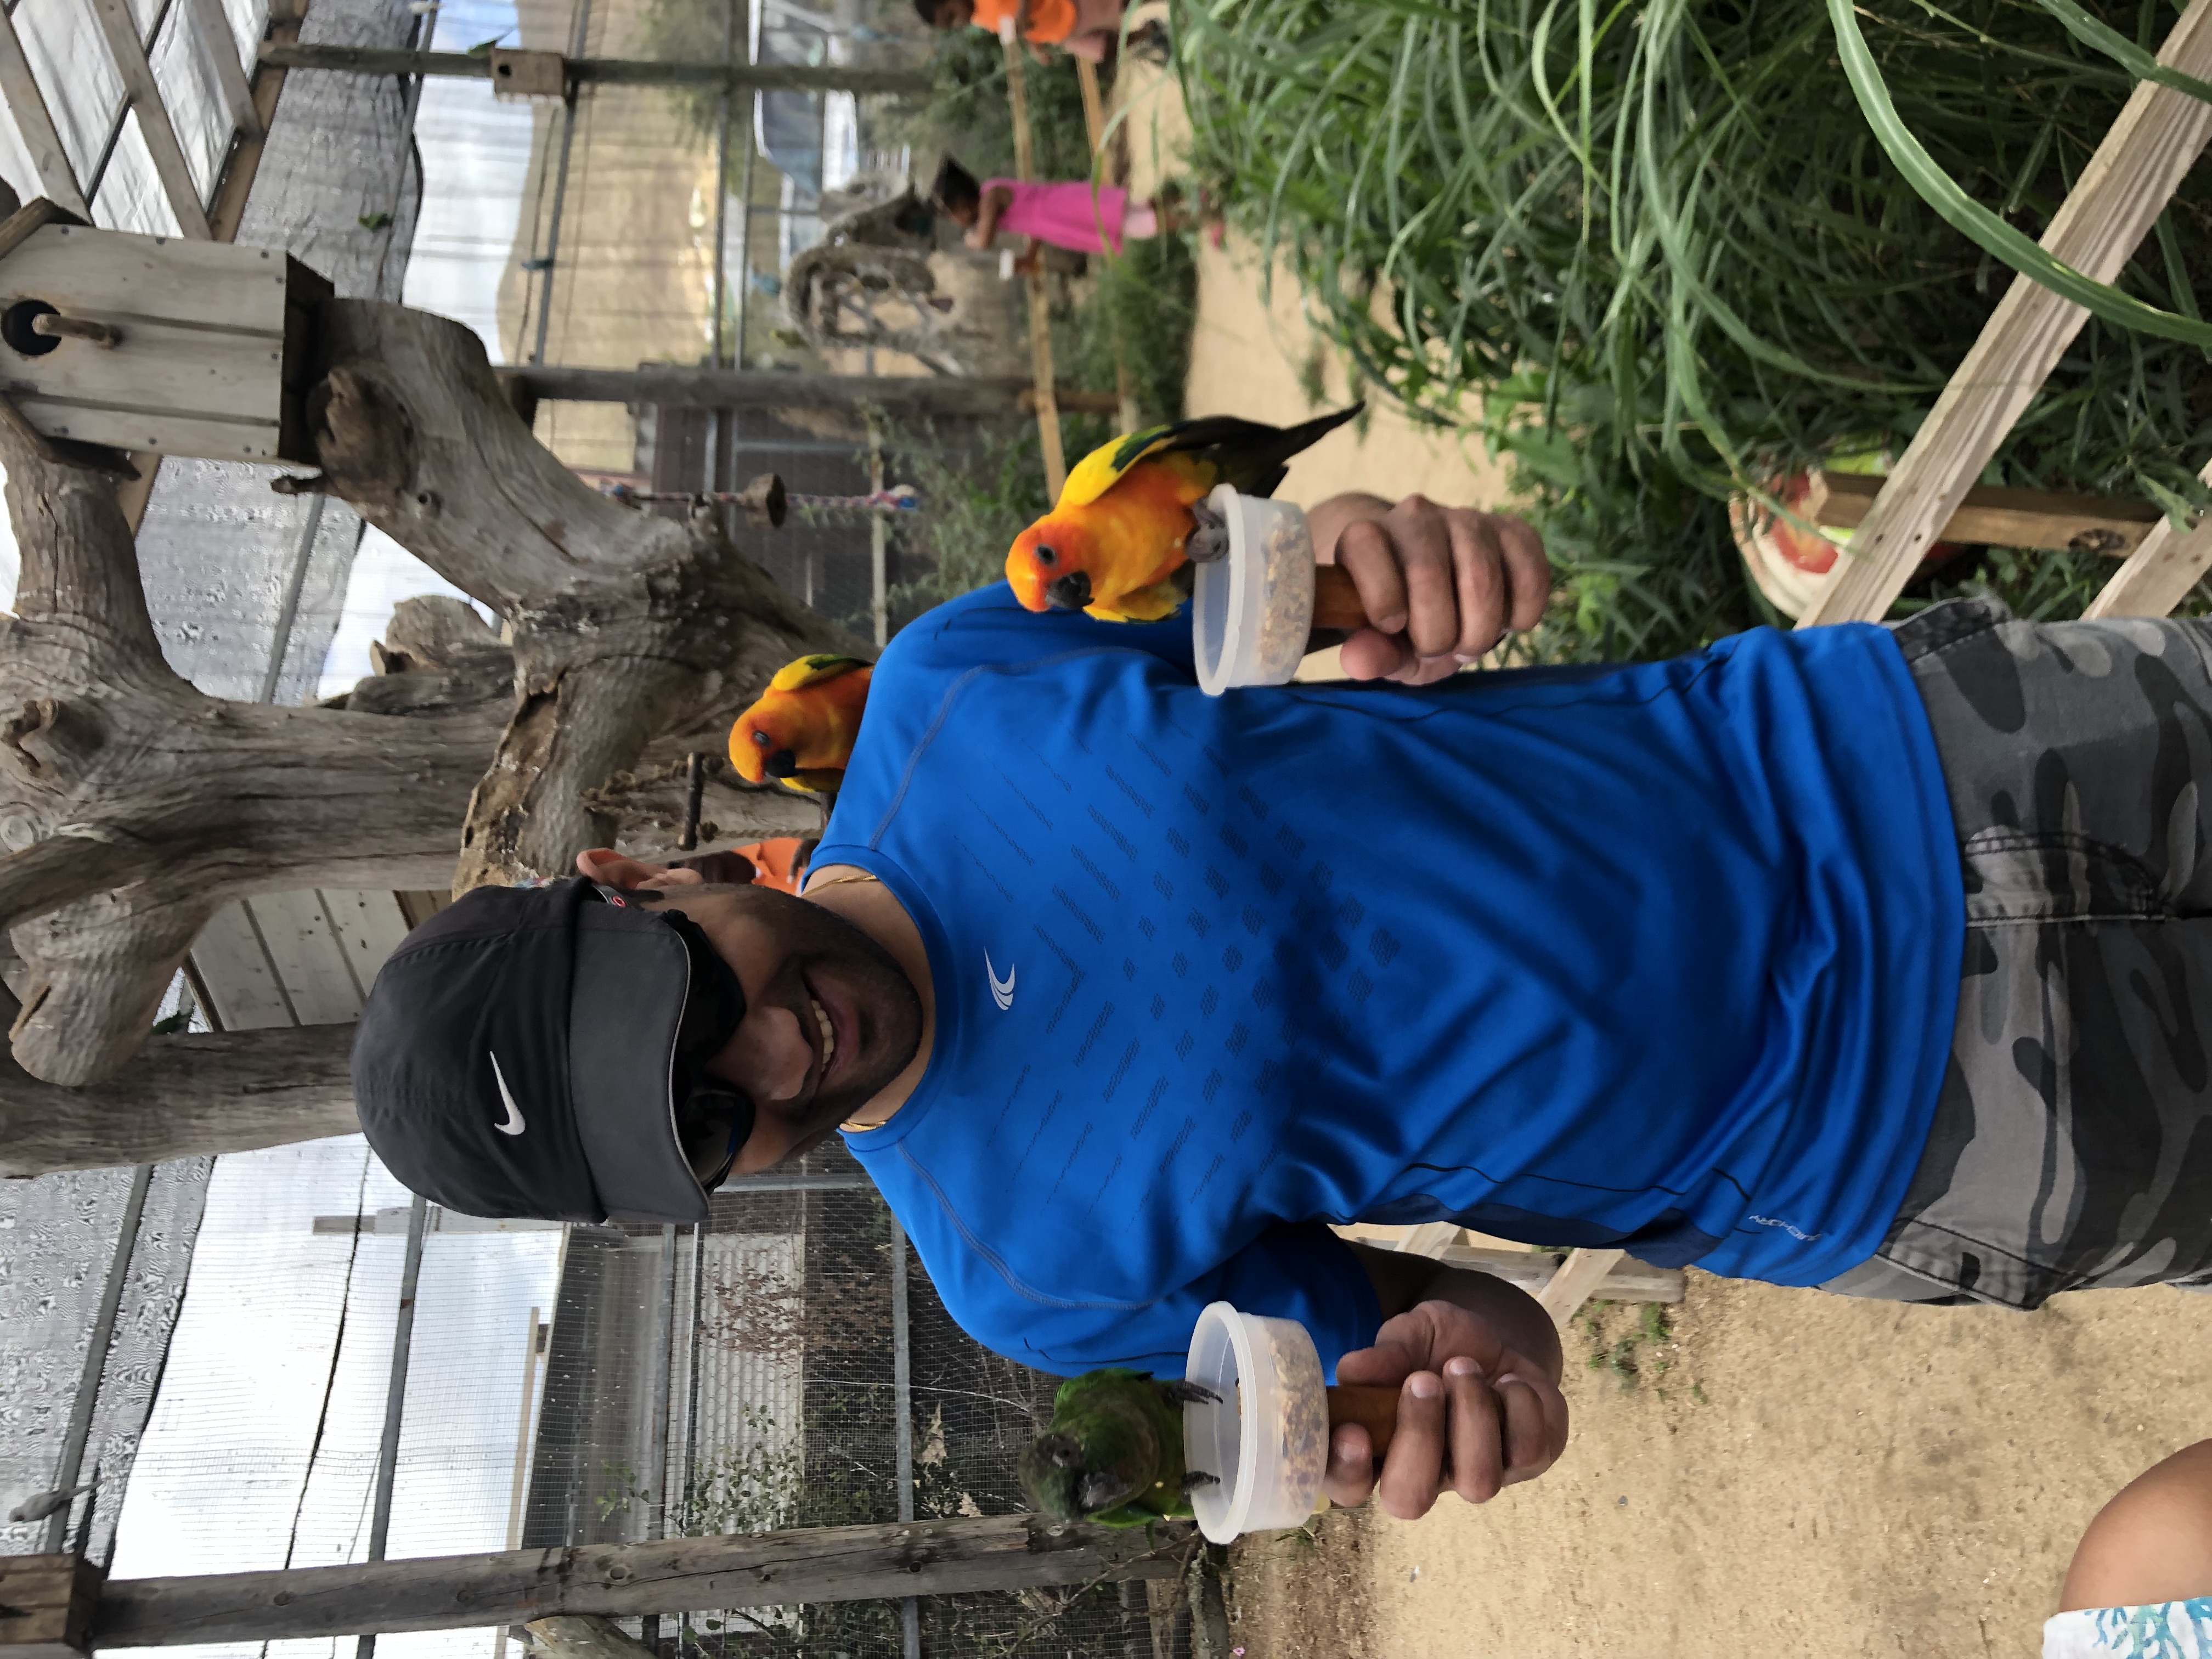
(154, 343)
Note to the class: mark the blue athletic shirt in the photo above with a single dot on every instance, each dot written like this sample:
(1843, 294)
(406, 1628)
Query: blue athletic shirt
(1662, 955)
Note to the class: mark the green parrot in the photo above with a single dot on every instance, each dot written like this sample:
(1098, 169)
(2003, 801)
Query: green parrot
(1112, 1452)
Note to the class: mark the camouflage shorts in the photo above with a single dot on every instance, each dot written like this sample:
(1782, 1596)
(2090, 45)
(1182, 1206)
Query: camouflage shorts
(2072, 1145)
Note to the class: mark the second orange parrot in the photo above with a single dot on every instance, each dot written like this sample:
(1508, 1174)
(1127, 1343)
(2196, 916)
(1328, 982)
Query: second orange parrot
(801, 733)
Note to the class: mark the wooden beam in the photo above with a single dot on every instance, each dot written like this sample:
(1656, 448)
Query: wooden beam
(124, 45)
(244, 162)
(675, 1574)
(2159, 574)
(1045, 384)
(19, 90)
(1577, 1280)
(212, 29)
(682, 387)
(2110, 524)
(1626, 1280)
(602, 72)
(47, 1605)
(2157, 137)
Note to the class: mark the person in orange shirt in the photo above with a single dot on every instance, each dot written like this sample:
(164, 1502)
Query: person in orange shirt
(1082, 28)
(780, 864)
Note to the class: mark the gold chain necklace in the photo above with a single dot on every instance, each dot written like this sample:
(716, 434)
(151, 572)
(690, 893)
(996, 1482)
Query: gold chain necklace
(839, 881)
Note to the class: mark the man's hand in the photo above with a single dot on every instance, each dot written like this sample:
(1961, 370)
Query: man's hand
(1441, 585)
(1474, 1415)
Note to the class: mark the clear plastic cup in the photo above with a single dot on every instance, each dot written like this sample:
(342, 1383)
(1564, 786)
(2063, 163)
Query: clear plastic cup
(1251, 612)
(1265, 1437)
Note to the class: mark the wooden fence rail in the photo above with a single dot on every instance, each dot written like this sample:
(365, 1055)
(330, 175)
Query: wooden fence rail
(675, 1574)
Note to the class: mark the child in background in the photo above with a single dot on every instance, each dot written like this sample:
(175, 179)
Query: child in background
(1082, 216)
(1081, 29)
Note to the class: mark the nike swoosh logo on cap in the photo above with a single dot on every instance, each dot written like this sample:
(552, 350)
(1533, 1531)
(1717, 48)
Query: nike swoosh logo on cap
(1002, 990)
(513, 1124)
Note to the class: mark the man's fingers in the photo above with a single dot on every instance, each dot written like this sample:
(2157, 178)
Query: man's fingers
(1478, 1446)
(1371, 654)
(1365, 552)
(1485, 593)
(1351, 1474)
(1527, 568)
(1536, 1427)
(1424, 535)
(1413, 1471)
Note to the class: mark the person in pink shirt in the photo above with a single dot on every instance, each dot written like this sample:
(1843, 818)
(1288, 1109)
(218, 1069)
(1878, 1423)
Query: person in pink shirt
(1077, 215)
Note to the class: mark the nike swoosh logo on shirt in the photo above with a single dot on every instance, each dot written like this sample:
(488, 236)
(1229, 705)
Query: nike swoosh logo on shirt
(1002, 991)
(513, 1124)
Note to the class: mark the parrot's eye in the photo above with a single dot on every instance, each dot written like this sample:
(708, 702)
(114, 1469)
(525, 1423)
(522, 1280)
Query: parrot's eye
(761, 740)
(1046, 556)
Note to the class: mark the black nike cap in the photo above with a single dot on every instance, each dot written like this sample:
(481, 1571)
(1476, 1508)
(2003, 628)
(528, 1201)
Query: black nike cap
(525, 1052)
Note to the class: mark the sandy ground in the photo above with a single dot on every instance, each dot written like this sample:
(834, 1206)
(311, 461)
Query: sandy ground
(1791, 1474)
(1808, 1476)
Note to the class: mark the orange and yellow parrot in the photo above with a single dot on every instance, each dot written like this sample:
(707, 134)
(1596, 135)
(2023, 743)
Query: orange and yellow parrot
(801, 731)
(1133, 515)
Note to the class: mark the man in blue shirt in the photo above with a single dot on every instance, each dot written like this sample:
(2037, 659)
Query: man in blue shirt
(1123, 994)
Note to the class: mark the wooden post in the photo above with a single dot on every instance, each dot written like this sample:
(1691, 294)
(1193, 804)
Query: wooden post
(1576, 1281)
(600, 72)
(1094, 122)
(46, 1606)
(2150, 149)
(674, 1575)
(2159, 574)
(1048, 408)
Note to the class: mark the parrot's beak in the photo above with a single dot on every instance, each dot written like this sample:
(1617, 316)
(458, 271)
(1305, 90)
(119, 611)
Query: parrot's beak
(1071, 591)
(782, 764)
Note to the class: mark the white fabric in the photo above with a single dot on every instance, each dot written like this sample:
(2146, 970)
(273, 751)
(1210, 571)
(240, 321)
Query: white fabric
(2169, 1629)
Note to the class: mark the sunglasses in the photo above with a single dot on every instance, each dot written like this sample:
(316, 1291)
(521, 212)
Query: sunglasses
(714, 1117)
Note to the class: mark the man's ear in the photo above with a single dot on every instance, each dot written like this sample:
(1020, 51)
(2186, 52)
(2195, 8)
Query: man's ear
(611, 869)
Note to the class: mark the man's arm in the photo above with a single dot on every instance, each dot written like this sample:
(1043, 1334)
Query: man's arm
(990, 207)
(1441, 585)
(1477, 1366)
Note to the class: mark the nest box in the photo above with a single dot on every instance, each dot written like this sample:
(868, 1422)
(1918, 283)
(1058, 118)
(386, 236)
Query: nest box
(155, 342)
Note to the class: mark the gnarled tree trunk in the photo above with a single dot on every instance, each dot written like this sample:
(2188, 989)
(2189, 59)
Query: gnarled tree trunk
(132, 806)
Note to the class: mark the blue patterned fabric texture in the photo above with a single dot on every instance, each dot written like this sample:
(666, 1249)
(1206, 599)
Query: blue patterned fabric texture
(2169, 1629)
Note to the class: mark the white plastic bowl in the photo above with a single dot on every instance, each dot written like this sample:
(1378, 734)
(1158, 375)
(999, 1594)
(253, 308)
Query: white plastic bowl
(1266, 1436)
(1251, 612)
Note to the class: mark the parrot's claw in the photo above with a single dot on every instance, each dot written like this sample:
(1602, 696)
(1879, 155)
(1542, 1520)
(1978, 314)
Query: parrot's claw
(1198, 1478)
(1186, 1392)
(1210, 540)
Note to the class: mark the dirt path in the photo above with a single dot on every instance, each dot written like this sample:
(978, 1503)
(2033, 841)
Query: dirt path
(1806, 1476)
(1254, 353)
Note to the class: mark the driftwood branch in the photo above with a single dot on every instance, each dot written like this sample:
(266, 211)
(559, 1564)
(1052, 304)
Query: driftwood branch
(624, 626)
(227, 1091)
(133, 806)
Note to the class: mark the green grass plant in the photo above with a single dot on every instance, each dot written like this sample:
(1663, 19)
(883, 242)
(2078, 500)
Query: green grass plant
(1661, 252)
